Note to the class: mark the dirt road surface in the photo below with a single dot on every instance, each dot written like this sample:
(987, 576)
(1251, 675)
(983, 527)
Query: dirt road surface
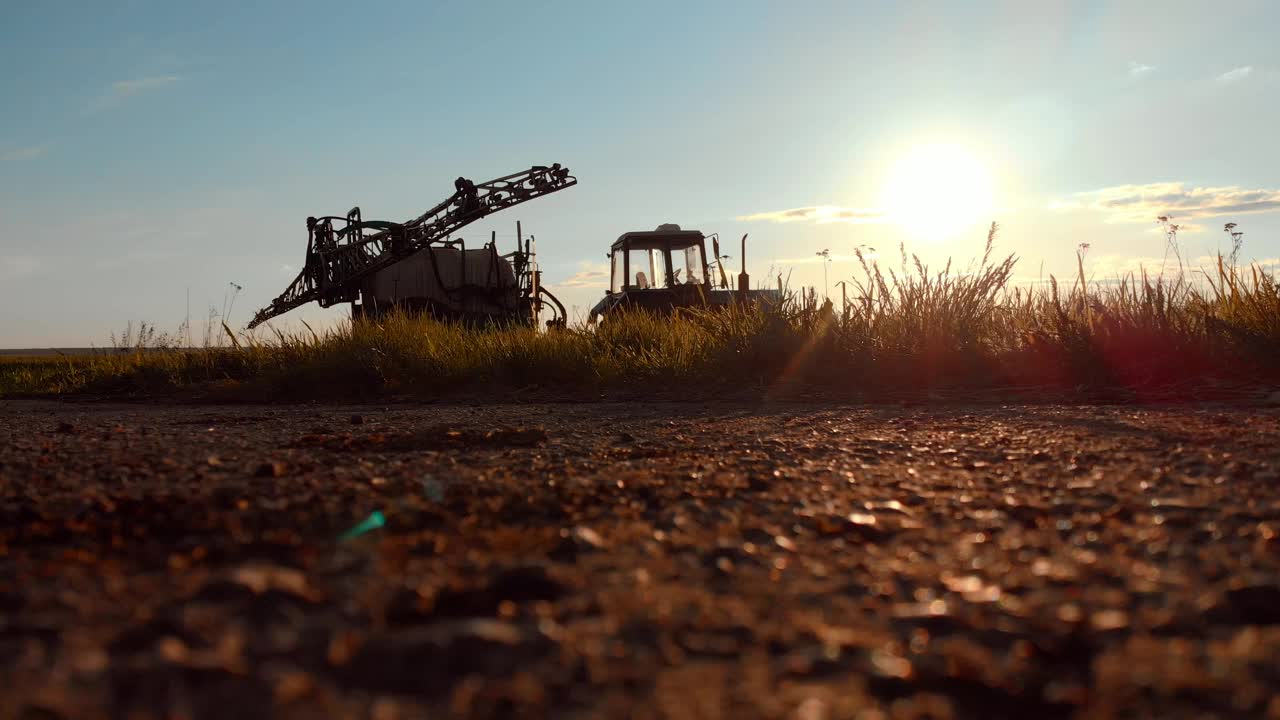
(626, 560)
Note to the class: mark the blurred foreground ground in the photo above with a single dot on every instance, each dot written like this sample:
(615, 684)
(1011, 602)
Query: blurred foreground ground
(618, 560)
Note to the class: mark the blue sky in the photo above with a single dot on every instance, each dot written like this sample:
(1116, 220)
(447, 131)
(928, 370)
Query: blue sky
(151, 148)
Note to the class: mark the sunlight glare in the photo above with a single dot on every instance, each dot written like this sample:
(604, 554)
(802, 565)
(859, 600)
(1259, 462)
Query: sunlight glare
(937, 191)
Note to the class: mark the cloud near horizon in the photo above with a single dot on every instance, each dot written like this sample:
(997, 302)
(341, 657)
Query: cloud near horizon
(1236, 74)
(1184, 228)
(121, 90)
(592, 276)
(16, 266)
(1105, 267)
(1143, 203)
(1137, 69)
(137, 85)
(1111, 267)
(817, 259)
(821, 214)
(24, 153)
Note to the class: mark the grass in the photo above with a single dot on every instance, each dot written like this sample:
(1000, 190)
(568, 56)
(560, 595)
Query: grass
(909, 329)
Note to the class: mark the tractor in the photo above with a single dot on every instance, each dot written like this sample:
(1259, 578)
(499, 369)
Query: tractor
(665, 269)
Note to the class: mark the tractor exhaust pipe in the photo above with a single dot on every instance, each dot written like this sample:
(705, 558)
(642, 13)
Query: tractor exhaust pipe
(744, 280)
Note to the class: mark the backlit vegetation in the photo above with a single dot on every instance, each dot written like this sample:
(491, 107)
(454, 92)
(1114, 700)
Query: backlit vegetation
(907, 329)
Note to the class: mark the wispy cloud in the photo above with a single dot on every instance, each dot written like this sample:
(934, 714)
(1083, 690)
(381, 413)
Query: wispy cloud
(1184, 227)
(287, 269)
(1236, 75)
(817, 259)
(1271, 265)
(16, 266)
(820, 214)
(1143, 203)
(1138, 70)
(24, 153)
(125, 88)
(592, 275)
(122, 90)
(1115, 268)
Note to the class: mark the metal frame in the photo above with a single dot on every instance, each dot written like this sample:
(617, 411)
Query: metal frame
(339, 258)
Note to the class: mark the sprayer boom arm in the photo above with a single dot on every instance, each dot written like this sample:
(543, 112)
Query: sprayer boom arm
(338, 259)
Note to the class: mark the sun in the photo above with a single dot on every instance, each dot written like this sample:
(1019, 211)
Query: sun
(937, 191)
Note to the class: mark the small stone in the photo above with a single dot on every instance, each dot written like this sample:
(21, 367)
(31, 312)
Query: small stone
(892, 506)
(866, 526)
(812, 709)
(891, 665)
(588, 537)
(862, 519)
(65, 428)
(577, 540)
(260, 579)
(1070, 613)
(1105, 620)
(273, 469)
(357, 419)
(173, 650)
(293, 686)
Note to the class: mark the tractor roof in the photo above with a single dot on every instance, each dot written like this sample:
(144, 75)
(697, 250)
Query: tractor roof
(664, 235)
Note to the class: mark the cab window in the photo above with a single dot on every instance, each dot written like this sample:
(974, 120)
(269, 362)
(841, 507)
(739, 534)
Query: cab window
(647, 269)
(617, 279)
(688, 263)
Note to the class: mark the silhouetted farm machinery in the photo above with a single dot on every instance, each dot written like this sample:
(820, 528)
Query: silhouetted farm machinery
(419, 266)
(665, 269)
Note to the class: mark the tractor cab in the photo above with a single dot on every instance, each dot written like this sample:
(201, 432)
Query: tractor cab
(657, 270)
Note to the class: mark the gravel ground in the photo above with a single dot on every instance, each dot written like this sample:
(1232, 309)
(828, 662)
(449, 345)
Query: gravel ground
(626, 560)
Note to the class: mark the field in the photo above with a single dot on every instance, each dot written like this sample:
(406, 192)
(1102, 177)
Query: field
(956, 498)
(638, 560)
